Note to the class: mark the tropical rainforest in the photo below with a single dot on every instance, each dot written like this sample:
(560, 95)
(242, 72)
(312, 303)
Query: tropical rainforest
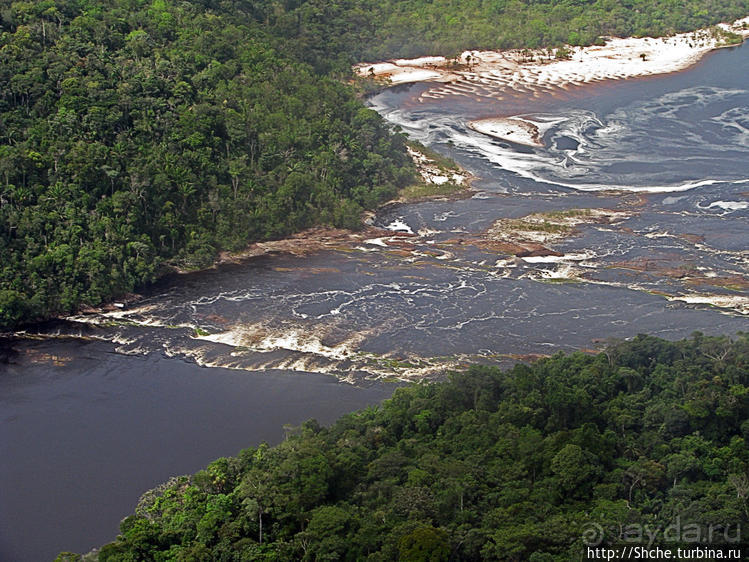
(138, 136)
(516, 465)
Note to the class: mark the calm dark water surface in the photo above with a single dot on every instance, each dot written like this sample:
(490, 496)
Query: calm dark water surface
(89, 422)
(85, 431)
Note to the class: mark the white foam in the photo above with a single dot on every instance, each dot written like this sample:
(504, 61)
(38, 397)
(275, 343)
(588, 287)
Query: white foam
(729, 205)
(738, 304)
(398, 225)
(441, 217)
(557, 259)
(735, 122)
(556, 169)
(563, 271)
(633, 136)
(296, 340)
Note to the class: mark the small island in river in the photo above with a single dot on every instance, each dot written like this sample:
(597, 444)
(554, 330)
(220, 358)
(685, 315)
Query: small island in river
(513, 129)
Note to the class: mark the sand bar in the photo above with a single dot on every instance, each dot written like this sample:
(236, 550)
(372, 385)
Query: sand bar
(488, 73)
(513, 129)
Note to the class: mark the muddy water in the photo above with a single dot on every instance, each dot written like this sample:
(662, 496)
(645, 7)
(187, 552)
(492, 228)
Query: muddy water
(662, 165)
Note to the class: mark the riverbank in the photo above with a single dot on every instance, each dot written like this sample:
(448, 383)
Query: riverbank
(496, 74)
(544, 69)
(439, 179)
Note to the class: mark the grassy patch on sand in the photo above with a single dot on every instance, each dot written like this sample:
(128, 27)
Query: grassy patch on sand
(442, 162)
(534, 226)
(567, 213)
(427, 190)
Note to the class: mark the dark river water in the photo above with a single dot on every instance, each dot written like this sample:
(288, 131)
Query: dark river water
(104, 406)
(84, 431)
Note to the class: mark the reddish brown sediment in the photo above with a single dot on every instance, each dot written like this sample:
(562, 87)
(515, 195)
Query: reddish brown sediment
(304, 243)
(519, 249)
(733, 282)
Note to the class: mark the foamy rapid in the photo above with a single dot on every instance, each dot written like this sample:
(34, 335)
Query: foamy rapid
(259, 338)
(640, 148)
(259, 348)
(732, 303)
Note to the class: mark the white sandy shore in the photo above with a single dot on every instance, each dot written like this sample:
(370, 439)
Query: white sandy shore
(490, 73)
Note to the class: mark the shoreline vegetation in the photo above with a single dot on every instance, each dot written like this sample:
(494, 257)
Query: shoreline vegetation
(134, 138)
(440, 177)
(488, 464)
(139, 134)
(615, 58)
(437, 178)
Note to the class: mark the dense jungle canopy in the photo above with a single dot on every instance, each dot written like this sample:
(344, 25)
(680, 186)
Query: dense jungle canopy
(517, 465)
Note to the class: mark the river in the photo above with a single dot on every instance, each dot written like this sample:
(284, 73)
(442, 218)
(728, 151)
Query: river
(85, 431)
(640, 197)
